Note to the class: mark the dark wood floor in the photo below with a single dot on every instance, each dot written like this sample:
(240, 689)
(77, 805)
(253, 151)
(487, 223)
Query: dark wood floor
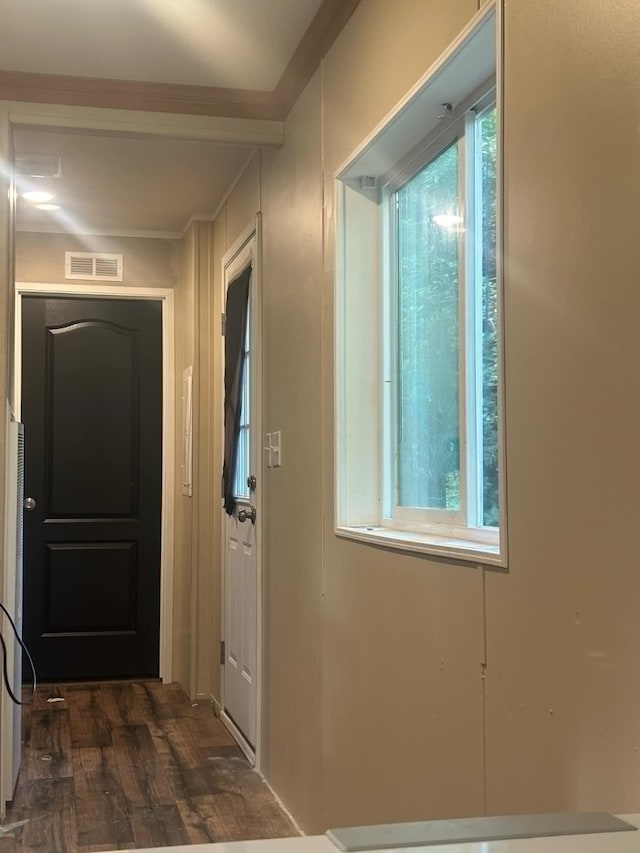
(127, 765)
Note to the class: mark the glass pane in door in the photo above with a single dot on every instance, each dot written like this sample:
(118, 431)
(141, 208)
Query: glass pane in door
(243, 458)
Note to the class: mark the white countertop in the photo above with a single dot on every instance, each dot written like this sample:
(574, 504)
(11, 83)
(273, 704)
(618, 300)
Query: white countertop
(610, 842)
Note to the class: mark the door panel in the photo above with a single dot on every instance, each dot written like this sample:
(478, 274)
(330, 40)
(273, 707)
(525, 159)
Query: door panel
(92, 408)
(103, 599)
(240, 633)
(97, 478)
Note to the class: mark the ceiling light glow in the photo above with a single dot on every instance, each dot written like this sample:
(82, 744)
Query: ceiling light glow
(48, 206)
(37, 196)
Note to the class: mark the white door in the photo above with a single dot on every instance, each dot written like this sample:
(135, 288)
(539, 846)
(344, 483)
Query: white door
(241, 540)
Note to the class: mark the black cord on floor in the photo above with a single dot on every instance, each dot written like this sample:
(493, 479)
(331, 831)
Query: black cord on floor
(5, 673)
(4, 657)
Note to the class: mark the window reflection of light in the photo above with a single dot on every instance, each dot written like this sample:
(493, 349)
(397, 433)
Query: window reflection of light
(447, 220)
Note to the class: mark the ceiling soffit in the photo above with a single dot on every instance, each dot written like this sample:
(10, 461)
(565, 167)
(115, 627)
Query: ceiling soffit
(326, 25)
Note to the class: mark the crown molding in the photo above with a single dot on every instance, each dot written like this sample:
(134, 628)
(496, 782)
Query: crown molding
(137, 95)
(174, 236)
(180, 99)
(236, 131)
(323, 30)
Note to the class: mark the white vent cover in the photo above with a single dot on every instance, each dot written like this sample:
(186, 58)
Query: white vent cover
(90, 266)
(39, 165)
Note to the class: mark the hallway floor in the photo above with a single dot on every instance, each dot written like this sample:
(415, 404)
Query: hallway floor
(124, 765)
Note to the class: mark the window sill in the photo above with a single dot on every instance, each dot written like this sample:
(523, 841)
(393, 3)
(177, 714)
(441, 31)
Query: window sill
(423, 543)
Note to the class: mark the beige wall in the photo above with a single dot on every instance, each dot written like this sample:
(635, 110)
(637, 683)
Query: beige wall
(375, 703)
(146, 262)
(206, 484)
(292, 312)
(218, 249)
(563, 693)
(7, 290)
(183, 636)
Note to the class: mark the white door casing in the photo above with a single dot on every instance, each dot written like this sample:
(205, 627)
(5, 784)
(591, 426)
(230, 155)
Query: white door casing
(241, 547)
(11, 720)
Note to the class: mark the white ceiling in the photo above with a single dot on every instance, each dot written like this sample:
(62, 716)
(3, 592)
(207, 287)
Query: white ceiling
(243, 44)
(114, 184)
(121, 184)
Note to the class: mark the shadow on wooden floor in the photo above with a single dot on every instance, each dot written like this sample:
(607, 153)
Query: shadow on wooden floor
(124, 765)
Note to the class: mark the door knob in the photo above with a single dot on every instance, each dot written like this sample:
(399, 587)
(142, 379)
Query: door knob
(249, 513)
(29, 504)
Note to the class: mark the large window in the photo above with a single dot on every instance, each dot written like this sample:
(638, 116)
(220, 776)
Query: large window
(442, 331)
(418, 429)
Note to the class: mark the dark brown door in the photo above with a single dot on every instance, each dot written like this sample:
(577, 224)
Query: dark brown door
(92, 409)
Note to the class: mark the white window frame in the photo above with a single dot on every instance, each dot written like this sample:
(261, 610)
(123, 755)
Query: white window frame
(366, 188)
(461, 131)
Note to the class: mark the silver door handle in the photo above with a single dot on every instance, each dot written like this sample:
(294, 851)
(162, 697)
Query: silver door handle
(29, 504)
(250, 513)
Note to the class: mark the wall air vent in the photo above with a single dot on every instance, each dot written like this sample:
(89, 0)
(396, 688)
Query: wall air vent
(38, 165)
(90, 266)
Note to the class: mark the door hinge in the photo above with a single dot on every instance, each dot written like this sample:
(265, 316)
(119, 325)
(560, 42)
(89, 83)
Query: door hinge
(222, 652)
(223, 324)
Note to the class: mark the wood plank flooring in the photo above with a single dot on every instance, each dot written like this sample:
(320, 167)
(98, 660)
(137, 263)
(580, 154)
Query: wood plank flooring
(124, 765)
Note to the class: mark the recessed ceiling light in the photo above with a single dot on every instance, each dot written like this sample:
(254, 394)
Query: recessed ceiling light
(48, 206)
(38, 196)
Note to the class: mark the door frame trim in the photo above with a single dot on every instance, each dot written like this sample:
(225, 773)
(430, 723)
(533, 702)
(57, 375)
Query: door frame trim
(252, 232)
(165, 296)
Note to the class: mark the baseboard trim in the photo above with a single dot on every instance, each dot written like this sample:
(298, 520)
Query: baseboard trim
(295, 823)
(217, 709)
(239, 738)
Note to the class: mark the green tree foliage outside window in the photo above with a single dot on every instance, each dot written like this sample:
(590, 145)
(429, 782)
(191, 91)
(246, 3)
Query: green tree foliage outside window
(428, 349)
(430, 247)
(490, 480)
